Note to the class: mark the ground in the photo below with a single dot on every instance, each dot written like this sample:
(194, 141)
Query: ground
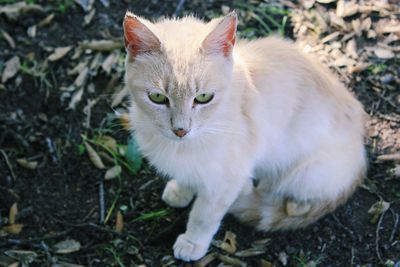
(57, 210)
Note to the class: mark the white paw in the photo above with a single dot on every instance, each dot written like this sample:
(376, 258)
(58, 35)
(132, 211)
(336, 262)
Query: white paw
(176, 196)
(187, 250)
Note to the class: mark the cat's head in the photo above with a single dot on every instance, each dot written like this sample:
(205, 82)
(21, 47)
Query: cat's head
(179, 73)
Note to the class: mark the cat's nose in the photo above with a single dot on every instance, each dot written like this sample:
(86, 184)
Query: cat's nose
(180, 132)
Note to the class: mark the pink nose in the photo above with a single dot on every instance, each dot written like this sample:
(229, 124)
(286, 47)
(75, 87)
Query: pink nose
(180, 132)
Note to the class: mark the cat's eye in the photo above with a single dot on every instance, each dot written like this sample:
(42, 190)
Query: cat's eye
(203, 98)
(158, 98)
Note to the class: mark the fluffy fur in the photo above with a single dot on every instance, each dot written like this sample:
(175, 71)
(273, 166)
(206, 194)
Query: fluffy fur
(277, 116)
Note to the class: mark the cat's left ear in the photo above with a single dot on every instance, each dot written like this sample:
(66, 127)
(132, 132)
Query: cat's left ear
(222, 38)
(138, 37)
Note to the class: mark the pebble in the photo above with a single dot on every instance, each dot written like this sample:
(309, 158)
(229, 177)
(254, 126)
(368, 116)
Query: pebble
(387, 78)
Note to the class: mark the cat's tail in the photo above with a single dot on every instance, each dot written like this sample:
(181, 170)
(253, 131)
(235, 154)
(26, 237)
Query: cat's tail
(269, 212)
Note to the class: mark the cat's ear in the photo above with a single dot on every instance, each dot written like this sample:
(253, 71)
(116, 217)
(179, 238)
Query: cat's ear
(138, 38)
(222, 38)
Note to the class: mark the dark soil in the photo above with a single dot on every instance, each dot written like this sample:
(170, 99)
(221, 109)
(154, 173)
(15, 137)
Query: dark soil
(59, 200)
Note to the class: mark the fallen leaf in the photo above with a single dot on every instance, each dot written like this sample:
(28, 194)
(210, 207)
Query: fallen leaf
(346, 9)
(113, 172)
(82, 77)
(13, 213)
(389, 157)
(102, 45)
(32, 31)
(8, 38)
(108, 62)
(262, 243)
(30, 165)
(94, 157)
(13, 11)
(383, 53)
(231, 261)
(107, 141)
(89, 17)
(119, 222)
(125, 121)
(59, 53)
(46, 21)
(229, 243)
(67, 246)
(24, 256)
(12, 67)
(75, 99)
(203, 262)
(265, 263)
(86, 5)
(119, 96)
(377, 209)
(283, 258)
(251, 252)
(13, 229)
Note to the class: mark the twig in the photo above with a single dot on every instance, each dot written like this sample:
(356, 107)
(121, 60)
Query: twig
(8, 164)
(377, 237)
(389, 157)
(52, 150)
(101, 201)
(179, 7)
(396, 222)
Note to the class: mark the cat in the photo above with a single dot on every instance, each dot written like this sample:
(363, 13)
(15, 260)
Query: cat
(253, 128)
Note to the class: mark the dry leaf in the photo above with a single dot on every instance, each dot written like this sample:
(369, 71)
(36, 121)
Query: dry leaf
(346, 9)
(125, 121)
(8, 38)
(12, 67)
(13, 11)
(231, 261)
(32, 31)
(108, 62)
(283, 258)
(113, 172)
(59, 53)
(351, 48)
(82, 77)
(251, 252)
(13, 229)
(30, 165)
(67, 246)
(108, 142)
(13, 213)
(24, 256)
(326, 1)
(229, 242)
(389, 157)
(94, 157)
(15, 264)
(203, 262)
(88, 17)
(119, 223)
(75, 99)
(102, 45)
(47, 20)
(119, 96)
(377, 209)
(265, 263)
(383, 53)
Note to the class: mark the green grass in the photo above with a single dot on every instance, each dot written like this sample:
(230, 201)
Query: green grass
(265, 20)
(153, 215)
(377, 68)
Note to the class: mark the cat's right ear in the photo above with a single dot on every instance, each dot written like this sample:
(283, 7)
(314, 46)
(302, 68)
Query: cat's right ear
(222, 38)
(138, 38)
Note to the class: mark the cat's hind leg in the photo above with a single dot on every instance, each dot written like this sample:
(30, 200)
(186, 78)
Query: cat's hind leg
(176, 196)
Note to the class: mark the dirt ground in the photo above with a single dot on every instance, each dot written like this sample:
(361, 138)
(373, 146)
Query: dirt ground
(56, 100)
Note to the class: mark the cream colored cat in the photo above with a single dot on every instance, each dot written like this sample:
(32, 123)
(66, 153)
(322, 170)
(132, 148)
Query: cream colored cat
(212, 115)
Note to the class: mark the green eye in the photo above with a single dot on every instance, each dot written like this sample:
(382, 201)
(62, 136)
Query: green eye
(203, 98)
(158, 98)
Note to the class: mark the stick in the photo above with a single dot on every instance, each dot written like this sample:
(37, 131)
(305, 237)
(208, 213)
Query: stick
(377, 237)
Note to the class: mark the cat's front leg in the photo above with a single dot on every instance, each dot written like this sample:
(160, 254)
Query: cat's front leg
(204, 220)
(176, 196)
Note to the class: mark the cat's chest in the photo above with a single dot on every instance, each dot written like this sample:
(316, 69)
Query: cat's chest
(181, 161)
